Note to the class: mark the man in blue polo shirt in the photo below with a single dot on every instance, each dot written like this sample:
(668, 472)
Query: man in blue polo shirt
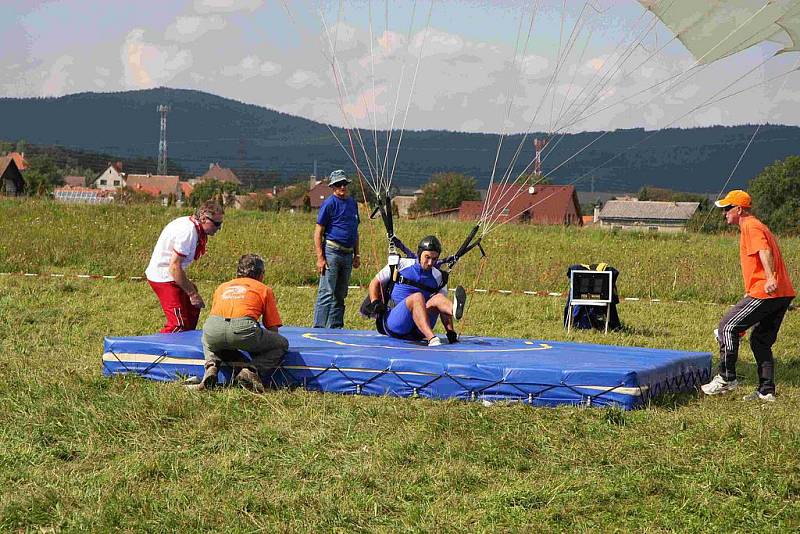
(336, 244)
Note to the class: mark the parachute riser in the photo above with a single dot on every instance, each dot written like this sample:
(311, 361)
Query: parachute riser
(465, 247)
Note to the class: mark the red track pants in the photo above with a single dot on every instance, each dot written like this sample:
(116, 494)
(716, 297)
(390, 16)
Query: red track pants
(180, 313)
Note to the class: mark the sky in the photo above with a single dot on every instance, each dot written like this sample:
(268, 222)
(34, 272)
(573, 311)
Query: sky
(468, 65)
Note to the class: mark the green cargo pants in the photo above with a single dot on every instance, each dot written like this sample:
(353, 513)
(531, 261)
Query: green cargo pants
(224, 338)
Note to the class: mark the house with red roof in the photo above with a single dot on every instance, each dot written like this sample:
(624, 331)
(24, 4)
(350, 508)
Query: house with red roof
(537, 204)
(19, 160)
(11, 181)
(220, 174)
(186, 189)
(156, 185)
(316, 194)
(75, 181)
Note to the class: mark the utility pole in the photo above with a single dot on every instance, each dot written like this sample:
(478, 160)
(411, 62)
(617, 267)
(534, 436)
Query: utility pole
(162, 140)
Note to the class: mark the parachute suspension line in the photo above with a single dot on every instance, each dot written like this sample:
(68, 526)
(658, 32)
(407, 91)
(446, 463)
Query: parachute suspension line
(589, 97)
(361, 180)
(372, 76)
(711, 100)
(492, 209)
(561, 111)
(749, 87)
(746, 148)
(349, 157)
(699, 60)
(489, 214)
(656, 132)
(390, 129)
(508, 108)
(558, 58)
(675, 81)
(741, 157)
(413, 86)
(510, 98)
(580, 105)
(341, 87)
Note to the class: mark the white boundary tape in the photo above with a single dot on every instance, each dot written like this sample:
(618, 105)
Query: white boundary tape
(477, 290)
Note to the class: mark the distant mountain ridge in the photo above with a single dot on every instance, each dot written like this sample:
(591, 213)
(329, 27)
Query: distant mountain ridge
(203, 128)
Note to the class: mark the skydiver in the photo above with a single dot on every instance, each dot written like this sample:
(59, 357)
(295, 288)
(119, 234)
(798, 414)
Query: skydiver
(417, 297)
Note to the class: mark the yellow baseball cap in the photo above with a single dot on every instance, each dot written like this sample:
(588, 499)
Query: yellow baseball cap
(737, 197)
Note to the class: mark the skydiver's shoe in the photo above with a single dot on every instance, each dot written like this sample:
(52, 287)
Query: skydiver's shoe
(249, 379)
(459, 300)
(434, 342)
(209, 380)
(719, 385)
(757, 395)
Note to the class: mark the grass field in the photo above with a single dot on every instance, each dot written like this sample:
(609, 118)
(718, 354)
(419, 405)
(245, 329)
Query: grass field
(82, 452)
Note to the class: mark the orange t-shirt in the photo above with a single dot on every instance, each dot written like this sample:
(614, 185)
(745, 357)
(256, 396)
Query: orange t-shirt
(756, 236)
(246, 297)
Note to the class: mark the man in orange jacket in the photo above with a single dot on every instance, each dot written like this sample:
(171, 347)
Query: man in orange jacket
(768, 293)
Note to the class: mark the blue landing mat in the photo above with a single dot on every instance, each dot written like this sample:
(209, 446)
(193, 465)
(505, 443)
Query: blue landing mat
(542, 373)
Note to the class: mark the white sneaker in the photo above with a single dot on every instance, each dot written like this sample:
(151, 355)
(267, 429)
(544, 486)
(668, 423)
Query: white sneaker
(434, 342)
(757, 395)
(719, 385)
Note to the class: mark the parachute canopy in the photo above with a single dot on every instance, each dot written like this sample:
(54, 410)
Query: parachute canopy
(714, 30)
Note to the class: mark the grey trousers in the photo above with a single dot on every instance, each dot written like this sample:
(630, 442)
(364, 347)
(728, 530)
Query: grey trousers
(224, 338)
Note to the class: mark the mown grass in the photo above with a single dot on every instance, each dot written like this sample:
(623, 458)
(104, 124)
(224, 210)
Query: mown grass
(82, 452)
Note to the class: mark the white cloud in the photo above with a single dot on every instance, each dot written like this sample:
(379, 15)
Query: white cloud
(709, 116)
(365, 104)
(251, 66)
(191, 28)
(534, 66)
(301, 79)
(436, 42)
(148, 65)
(472, 125)
(343, 37)
(58, 82)
(226, 6)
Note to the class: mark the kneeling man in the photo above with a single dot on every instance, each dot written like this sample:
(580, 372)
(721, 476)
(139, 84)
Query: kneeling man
(418, 297)
(233, 326)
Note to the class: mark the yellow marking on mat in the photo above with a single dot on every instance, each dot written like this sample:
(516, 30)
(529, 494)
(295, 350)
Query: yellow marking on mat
(441, 348)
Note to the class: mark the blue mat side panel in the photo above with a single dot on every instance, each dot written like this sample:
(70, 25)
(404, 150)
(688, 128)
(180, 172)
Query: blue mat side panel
(541, 373)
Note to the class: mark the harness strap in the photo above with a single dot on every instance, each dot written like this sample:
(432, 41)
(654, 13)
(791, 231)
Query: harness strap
(413, 283)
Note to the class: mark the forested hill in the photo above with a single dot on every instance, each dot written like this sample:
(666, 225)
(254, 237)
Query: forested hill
(204, 128)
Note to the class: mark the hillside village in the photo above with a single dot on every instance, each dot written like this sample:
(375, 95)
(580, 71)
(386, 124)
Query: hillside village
(543, 204)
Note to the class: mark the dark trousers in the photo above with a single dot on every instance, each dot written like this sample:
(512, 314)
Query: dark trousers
(766, 315)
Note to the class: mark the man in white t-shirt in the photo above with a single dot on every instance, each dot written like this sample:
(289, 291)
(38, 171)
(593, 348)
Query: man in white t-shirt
(181, 242)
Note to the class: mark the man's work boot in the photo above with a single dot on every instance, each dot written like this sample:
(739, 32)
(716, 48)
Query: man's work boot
(209, 379)
(249, 379)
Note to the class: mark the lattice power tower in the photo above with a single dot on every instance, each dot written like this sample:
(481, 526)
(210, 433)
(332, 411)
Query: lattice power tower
(162, 140)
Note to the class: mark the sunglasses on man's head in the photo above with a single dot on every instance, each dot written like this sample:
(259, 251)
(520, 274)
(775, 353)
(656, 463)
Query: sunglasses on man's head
(726, 209)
